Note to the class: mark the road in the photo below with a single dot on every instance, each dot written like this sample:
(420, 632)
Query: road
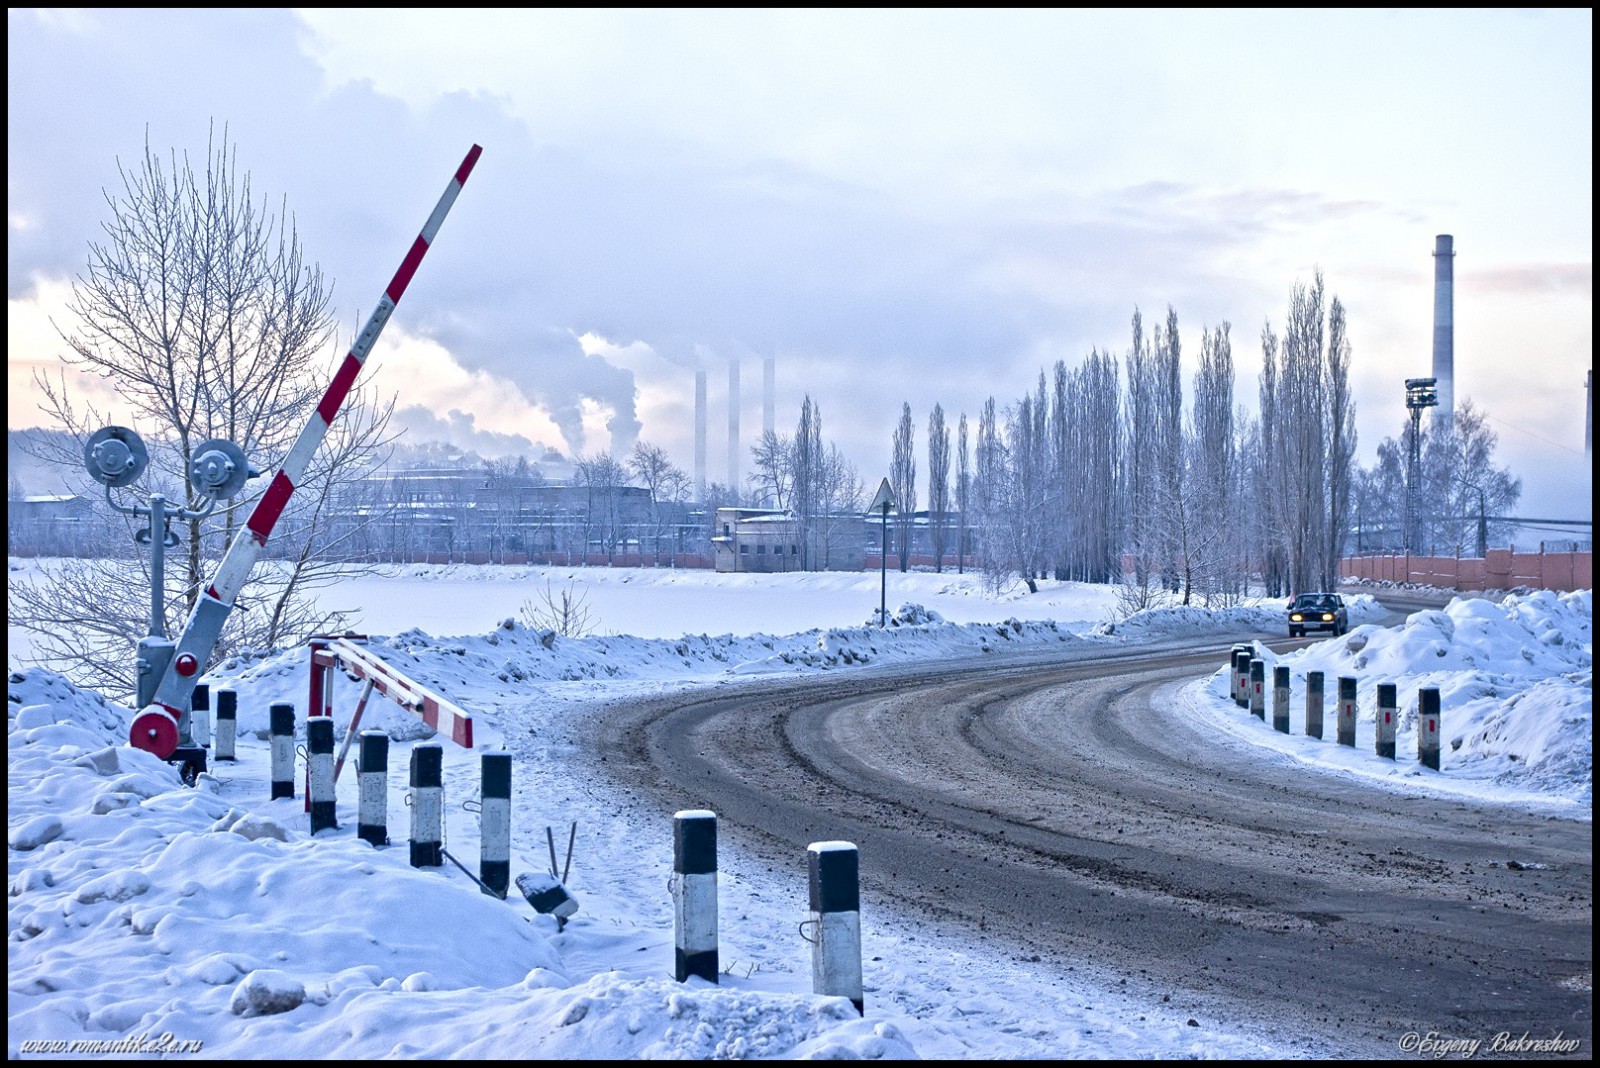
(1071, 810)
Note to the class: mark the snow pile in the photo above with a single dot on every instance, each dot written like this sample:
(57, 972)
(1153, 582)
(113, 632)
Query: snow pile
(1515, 682)
(141, 907)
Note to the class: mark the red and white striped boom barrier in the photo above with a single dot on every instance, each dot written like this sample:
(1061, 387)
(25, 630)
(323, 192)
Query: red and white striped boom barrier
(153, 729)
(437, 711)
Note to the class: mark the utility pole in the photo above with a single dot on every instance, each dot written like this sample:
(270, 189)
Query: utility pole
(1420, 394)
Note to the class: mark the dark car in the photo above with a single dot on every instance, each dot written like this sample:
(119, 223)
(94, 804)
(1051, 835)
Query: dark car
(1317, 611)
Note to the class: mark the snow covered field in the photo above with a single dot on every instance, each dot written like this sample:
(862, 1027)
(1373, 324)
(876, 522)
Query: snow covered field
(140, 908)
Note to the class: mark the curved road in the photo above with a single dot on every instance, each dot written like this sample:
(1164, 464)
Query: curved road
(1071, 808)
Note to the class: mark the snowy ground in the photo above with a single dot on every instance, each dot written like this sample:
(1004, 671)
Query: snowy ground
(141, 908)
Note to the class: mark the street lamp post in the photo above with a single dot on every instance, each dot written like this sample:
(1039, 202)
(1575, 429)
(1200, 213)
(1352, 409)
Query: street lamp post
(1421, 393)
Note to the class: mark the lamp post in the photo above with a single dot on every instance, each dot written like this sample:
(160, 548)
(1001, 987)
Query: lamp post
(1420, 393)
(881, 504)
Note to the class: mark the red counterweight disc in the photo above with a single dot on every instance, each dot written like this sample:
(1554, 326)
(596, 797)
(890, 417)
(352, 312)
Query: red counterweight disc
(155, 731)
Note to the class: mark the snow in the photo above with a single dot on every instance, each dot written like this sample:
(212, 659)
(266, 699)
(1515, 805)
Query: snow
(139, 907)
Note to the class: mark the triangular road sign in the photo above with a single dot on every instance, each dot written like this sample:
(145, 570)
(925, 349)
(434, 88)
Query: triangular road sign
(884, 500)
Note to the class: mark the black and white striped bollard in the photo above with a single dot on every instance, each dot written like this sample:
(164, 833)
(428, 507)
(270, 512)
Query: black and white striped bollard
(282, 722)
(319, 778)
(1258, 684)
(835, 869)
(694, 895)
(1239, 674)
(494, 821)
(1347, 711)
(427, 805)
(372, 785)
(1387, 713)
(1428, 727)
(1314, 704)
(200, 714)
(1280, 698)
(227, 724)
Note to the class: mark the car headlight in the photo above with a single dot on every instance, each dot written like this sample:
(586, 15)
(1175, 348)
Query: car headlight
(1327, 617)
(1295, 617)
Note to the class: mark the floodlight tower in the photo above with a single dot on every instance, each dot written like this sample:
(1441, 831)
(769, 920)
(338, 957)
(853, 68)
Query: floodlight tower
(1421, 393)
(115, 457)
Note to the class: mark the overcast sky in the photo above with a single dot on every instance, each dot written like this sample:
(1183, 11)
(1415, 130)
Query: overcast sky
(895, 206)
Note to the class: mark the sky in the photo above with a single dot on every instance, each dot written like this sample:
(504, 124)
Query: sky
(924, 207)
(127, 889)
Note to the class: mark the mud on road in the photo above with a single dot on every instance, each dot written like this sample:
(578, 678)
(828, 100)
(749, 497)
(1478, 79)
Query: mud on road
(1074, 812)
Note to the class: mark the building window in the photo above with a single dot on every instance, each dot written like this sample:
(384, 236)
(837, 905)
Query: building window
(761, 550)
(777, 550)
(744, 550)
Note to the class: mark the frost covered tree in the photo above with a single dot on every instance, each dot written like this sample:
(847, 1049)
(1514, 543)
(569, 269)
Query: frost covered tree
(199, 310)
(938, 485)
(903, 481)
(963, 494)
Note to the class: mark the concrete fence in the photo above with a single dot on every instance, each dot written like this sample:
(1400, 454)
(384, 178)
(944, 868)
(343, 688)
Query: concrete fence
(1498, 569)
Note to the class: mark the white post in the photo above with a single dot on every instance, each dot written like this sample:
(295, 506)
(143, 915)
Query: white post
(1280, 698)
(694, 894)
(319, 788)
(1347, 710)
(494, 839)
(835, 870)
(1386, 715)
(427, 805)
(282, 722)
(372, 782)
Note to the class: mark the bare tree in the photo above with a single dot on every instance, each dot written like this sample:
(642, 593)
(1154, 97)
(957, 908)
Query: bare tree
(903, 480)
(774, 463)
(200, 312)
(938, 485)
(963, 494)
(667, 483)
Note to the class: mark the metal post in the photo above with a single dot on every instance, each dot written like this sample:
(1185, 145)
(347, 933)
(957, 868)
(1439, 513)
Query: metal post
(282, 722)
(372, 785)
(1347, 710)
(427, 805)
(494, 838)
(1258, 682)
(694, 895)
(883, 572)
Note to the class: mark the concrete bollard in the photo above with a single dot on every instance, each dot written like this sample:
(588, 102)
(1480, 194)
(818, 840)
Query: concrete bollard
(1280, 698)
(200, 714)
(1428, 727)
(1239, 674)
(227, 724)
(282, 722)
(1258, 683)
(494, 816)
(694, 894)
(1347, 711)
(1385, 717)
(1314, 704)
(835, 869)
(319, 777)
(372, 785)
(427, 805)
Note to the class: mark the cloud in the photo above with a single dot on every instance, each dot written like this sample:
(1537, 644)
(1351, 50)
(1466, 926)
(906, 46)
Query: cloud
(1532, 280)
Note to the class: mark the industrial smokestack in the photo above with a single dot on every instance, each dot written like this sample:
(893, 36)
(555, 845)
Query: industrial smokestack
(769, 377)
(700, 435)
(733, 425)
(1444, 352)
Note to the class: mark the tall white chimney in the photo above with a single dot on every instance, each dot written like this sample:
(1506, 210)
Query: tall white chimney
(769, 377)
(1444, 340)
(733, 425)
(700, 435)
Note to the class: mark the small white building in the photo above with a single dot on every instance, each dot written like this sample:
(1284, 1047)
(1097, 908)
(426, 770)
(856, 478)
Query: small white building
(758, 540)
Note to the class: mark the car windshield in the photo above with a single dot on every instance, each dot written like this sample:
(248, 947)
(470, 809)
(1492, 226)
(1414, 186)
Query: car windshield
(1312, 600)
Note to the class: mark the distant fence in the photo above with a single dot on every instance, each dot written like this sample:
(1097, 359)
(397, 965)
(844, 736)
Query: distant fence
(1498, 569)
(874, 561)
